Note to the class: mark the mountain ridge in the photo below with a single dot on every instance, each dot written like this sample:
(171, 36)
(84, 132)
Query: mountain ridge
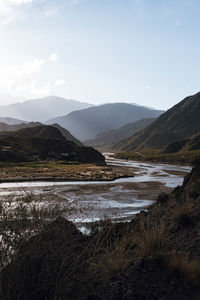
(108, 139)
(87, 123)
(179, 122)
(41, 109)
(44, 142)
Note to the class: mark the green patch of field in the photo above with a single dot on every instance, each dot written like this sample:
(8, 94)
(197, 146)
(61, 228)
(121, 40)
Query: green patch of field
(182, 157)
(39, 164)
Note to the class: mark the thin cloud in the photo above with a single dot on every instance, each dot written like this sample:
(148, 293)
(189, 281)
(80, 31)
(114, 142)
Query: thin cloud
(53, 57)
(20, 78)
(12, 78)
(59, 82)
(45, 89)
(8, 9)
(40, 91)
(6, 6)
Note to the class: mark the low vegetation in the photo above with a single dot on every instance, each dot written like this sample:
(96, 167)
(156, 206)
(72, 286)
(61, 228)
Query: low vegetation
(56, 170)
(183, 157)
(155, 256)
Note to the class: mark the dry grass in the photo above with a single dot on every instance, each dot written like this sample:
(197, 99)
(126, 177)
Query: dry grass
(55, 169)
(151, 239)
(37, 240)
(188, 269)
(26, 216)
(116, 259)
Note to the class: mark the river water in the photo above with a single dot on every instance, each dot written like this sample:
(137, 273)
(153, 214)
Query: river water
(120, 199)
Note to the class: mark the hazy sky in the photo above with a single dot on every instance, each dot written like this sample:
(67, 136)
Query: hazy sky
(142, 51)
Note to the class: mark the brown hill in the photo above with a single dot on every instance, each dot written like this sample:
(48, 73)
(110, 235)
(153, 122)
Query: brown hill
(44, 142)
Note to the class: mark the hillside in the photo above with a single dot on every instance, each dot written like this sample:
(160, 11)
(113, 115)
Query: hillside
(44, 142)
(155, 256)
(87, 123)
(178, 123)
(4, 127)
(41, 109)
(191, 143)
(108, 139)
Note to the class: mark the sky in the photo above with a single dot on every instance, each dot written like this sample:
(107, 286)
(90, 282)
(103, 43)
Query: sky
(98, 51)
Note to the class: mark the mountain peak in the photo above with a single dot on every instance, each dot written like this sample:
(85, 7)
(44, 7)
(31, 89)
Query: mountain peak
(41, 109)
(87, 123)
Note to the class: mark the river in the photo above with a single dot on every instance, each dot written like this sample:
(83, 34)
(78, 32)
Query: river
(120, 199)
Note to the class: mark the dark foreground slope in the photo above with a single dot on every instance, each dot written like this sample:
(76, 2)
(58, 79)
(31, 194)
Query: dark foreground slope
(87, 123)
(44, 142)
(108, 139)
(178, 123)
(156, 256)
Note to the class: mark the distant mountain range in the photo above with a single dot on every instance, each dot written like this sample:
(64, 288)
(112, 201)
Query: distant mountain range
(5, 127)
(177, 128)
(87, 123)
(44, 142)
(41, 109)
(11, 121)
(108, 139)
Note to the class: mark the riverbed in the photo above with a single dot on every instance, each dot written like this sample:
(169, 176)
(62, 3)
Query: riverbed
(120, 199)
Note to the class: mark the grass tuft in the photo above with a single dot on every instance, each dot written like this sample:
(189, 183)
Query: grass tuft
(188, 269)
(151, 240)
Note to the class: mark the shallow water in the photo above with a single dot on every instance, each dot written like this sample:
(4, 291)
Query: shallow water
(120, 199)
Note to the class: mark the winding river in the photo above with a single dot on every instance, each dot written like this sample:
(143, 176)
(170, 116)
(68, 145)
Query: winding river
(120, 199)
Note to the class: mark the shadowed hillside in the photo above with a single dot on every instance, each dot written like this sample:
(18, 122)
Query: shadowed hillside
(4, 127)
(44, 142)
(108, 139)
(178, 123)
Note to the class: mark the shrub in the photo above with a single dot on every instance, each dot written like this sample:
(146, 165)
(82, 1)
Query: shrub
(151, 240)
(183, 216)
(114, 257)
(162, 198)
(40, 250)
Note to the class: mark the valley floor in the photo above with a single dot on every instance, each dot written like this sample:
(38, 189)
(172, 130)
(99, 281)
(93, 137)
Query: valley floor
(59, 171)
